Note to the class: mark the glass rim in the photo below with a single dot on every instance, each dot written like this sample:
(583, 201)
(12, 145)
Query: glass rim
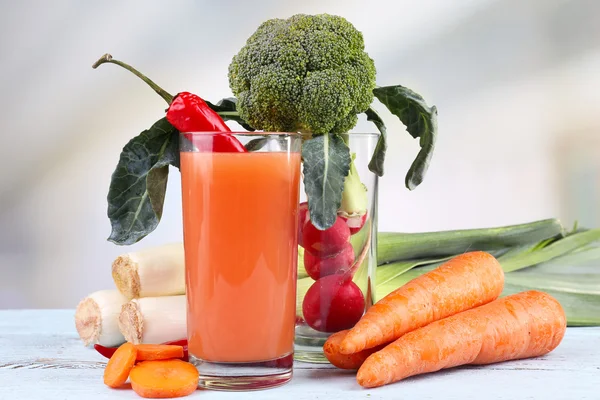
(263, 133)
(244, 133)
(368, 134)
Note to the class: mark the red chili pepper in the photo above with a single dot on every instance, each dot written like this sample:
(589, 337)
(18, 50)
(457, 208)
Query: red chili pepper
(187, 112)
(105, 351)
(109, 351)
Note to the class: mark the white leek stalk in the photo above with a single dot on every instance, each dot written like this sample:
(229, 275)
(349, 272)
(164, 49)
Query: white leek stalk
(154, 319)
(96, 318)
(155, 271)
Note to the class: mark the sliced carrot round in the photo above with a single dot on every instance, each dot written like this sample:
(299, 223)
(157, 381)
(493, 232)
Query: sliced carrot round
(164, 379)
(151, 352)
(120, 364)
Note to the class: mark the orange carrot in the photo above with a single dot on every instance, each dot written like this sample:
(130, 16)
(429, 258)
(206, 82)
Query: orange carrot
(464, 282)
(164, 379)
(153, 352)
(353, 361)
(523, 325)
(118, 367)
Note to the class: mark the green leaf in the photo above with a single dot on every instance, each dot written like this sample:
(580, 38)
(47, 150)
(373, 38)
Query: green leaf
(420, 121)
(276, 142)
(550, 251)
(138, 184)
(326, 165)
(376, 163)
(227, 109)
(256, 144)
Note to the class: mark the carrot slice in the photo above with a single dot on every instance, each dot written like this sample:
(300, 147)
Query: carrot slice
(153, 352)
(120, 364)
(353, 361)
(164, 379)
(527, 324)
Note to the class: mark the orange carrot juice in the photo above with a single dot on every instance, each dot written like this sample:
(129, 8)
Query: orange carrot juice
(240, 224)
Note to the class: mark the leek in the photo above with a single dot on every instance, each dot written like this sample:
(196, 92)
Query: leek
(409, 246)
(567, 268)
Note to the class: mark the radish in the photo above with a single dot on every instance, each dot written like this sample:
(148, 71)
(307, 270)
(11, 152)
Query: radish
(333, 303)
(355, 222)
(318, 267)
(327, 242)
(302, 218)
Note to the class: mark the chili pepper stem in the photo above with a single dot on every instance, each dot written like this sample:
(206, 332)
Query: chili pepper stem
(107, 58)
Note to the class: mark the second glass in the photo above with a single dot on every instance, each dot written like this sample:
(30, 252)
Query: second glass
(240, 196)
(334, 290)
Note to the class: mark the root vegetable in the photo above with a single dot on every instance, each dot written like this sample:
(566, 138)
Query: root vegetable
(318, 267)
(164, 379)
(466, 281)
(523, 325)
(96, 318)
(353, 361)
(355, 222)
(327, 242)
(302, 218)
(153, 319)
(333, 303)
(120, 364)
(155, 271)
(153, 352)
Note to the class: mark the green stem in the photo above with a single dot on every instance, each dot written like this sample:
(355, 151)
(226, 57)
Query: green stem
(107, 58)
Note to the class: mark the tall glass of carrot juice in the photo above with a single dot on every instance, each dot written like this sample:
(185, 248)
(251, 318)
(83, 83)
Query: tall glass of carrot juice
(240, 214)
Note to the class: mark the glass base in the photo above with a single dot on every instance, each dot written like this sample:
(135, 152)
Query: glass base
(308, 345)
(244, 376)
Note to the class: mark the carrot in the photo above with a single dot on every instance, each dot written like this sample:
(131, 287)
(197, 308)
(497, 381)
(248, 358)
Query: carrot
(152, 352)
(118, 367)
(466, 281)
(527, 324)
(353, 361)
(164, 379)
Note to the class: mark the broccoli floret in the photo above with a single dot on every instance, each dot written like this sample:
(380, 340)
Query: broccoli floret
(308, 73)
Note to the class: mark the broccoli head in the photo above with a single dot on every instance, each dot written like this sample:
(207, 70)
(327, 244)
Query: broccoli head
(307, 73)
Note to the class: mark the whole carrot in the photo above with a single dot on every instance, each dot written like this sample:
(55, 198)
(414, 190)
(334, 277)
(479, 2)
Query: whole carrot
(353, 361)
(523, 325)
(464, 282)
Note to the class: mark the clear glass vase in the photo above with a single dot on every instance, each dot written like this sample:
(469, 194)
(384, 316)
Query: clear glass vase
(335, 302)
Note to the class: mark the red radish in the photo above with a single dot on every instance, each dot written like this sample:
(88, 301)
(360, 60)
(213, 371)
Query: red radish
(318, 267)
(302, 218)
(328, 242)
(333, 303)
(355, 223)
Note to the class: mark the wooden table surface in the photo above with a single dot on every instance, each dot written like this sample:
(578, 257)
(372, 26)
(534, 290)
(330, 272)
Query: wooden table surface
(41, 357)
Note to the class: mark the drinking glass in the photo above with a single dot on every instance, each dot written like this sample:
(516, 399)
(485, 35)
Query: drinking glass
(240, 195)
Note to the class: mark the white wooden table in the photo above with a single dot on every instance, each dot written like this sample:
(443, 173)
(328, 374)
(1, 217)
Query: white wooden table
(41, 357)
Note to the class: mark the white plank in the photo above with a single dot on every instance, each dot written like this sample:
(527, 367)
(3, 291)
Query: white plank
(41, 357)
